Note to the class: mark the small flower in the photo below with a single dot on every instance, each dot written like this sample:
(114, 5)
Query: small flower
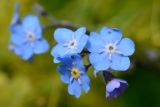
(26, 36)
(115, 87)
(69, 42)
(109, 50)
(73, 73)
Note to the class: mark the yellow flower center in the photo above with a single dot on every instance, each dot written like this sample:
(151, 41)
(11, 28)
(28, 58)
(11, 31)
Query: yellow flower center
(75, 73)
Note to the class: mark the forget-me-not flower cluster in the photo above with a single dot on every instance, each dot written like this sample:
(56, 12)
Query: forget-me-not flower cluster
(106, 51)
(69, 46)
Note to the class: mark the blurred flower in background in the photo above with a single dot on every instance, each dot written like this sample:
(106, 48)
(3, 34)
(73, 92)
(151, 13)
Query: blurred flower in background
(26, 36)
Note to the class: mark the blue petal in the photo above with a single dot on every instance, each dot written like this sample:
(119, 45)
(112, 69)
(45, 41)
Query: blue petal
(111, 35)
(16, 49)
(65, 73)
(126, 47)
(55, 60)
(15, 28)
(73, 61)
(95, 43)
(112, 85)
(27, 52)
(85, 82)
(78, 62)
(31, 24)
(63, 35)
(59, 51)
(82, 43)
(120, 63)
(41, 46)
(74, 89)
(99, 61)
(121, 81)
(67, 60)
(80, 32)
(17, 38)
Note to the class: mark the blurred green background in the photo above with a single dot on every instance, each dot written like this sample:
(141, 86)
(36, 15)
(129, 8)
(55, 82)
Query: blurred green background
(37, 84)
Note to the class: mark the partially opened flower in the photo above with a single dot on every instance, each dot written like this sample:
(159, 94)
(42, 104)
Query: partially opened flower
(16, 21)
(109, 50)
(73, 73)
(115, 87)
(27, 37)
(16, 18)
(69, 42)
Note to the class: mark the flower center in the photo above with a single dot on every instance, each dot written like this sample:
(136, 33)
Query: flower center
(30, 37)
(75, 73)
(111, 48)
(72, 44)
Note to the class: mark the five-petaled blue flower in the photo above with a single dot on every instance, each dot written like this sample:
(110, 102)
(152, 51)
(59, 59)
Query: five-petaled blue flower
(115, 87)
(69, 42)
(26, 36)
(109, 50)
(73, 73)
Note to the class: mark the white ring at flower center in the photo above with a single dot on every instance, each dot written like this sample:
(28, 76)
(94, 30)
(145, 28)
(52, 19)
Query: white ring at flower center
(111, 48)
(30, 37)
(72, 44)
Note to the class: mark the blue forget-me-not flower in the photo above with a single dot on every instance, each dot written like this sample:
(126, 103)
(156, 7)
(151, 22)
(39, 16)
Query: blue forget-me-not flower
(26, 36)
(69, 42)
(73, 73)
(109, 50)
(115, 87)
